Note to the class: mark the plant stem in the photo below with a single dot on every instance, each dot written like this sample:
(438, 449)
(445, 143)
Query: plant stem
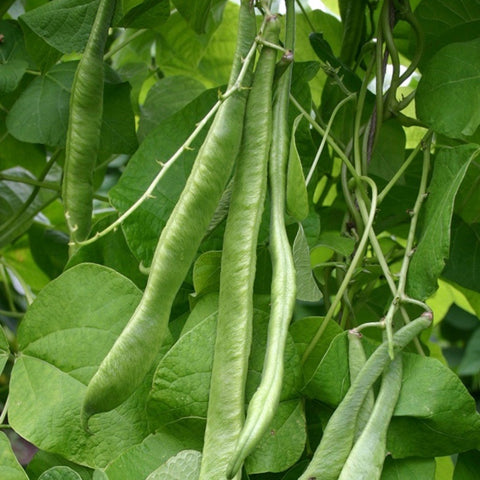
(124, 43)
(349, 274)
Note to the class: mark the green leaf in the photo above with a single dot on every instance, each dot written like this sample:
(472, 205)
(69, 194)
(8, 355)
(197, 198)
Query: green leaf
(206, 273)
(287, 429)
(63, 24)
(40, 115)
(303, 331)
(4, 350)
(146, 14)
(435, 415)
(408, 468)
(467, 466)
(428, 260)
(166, 97)
(63, 337)
(443, 22)
(139, 461)
(183, 466)
(467, 203)
(13, 56)
(142, 229)
(330, 243)
(10, 469)
(307, 289)
(60, 473)
(470, 364)
(389, 152)
(43, 461)
(49, 248)
(111, 251)
(441, 90)
(463, 265)
(16, 215)
(297, 196)
(198, 13)
(444, 468)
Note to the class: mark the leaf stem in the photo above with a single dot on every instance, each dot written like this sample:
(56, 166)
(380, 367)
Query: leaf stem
(124, 43)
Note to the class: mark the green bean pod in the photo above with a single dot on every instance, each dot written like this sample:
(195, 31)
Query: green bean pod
(356, 361)
(225, 415)
(366, 459)
(264, 403)
(84, 126)
(339, 434)
(135, 350)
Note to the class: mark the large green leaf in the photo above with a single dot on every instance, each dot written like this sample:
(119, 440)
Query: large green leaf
(40, 115)
(145, 14)
(13, 56)
(463, 265)
(435, 415)
(63, 337)
(142, 229)
(447, 98)
(183, 466)
(198, 13)
(139, 461)
(443, 22)
(428, 260)
(63, 24)
(10, 469)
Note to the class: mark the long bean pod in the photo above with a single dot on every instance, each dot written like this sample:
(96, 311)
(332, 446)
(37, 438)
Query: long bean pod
(84, 126)
(264, 402)
(337, 440)
(366, 459)
(135, 350)
(225, 415)
(356, 361)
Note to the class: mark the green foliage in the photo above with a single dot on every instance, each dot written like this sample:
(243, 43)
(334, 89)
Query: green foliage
(381, 218)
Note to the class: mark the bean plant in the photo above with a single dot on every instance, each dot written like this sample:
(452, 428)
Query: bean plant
(239, 239)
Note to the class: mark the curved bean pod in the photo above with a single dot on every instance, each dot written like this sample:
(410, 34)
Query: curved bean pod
(366, 459)
(84, 125)
(264, 403)
(234, 327)
(337, 440)
(135, 350)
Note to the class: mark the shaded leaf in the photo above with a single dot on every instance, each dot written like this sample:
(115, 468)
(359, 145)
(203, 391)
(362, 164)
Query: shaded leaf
(467, 202)
(463, 264)
(4, 350)
(428, 260)
(13, 56)
(443, 22)
(441, 90)
(467, 466)
(470, 364)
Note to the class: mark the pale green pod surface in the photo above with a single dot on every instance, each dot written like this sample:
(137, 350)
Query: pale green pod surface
(135, 350)
(336, 444)
(225, 415)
